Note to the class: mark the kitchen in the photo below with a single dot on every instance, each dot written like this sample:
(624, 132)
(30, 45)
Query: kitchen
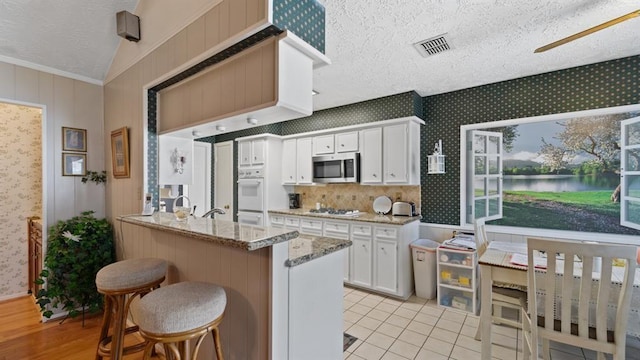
(439, 194)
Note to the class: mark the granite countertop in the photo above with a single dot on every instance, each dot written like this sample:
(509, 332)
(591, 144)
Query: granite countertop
(307, 247)
(365, 217)
(247, 237)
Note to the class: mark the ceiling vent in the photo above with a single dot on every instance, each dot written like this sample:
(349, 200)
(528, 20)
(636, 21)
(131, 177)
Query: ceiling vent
(432, 46)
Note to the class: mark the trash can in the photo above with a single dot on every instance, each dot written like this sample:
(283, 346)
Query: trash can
(424, 267)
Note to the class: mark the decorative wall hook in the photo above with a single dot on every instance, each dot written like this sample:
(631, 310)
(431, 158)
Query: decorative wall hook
(178, 159)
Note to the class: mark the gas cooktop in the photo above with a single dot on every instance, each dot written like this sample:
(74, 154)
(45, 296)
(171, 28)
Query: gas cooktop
(335, 212)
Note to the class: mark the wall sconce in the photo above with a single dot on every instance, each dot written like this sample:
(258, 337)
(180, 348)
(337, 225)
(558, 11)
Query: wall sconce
(436, 160)
(178, 160)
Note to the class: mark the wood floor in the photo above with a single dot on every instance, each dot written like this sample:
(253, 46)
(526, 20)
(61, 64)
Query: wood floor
(23, 336)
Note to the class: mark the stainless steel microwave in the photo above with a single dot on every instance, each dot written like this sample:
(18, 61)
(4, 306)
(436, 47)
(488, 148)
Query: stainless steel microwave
(337, 168)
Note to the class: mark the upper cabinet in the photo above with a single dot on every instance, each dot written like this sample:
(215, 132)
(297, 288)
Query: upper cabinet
(371, 156)
(305, 167)
(251, 152)
(266, 83)
(323, 145)
(347, 142)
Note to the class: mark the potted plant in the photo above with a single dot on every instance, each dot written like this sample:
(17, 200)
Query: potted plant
(77, 249)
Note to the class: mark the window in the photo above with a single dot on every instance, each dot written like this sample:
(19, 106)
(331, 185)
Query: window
(574, 171)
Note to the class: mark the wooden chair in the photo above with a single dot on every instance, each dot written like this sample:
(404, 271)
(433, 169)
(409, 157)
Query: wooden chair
(501, 296)
(566, 330)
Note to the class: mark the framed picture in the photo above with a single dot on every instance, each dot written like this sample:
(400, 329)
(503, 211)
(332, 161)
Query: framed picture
(120, 153)
(74, 164)
(74, 139)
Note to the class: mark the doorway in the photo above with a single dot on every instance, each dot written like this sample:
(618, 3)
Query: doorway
(223, 179)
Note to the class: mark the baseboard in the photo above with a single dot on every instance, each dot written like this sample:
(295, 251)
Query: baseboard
(14, 296)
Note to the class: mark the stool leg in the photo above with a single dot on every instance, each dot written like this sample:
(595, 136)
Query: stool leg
(148, 349)
(106, 321)
(117, 344)
(216, 342)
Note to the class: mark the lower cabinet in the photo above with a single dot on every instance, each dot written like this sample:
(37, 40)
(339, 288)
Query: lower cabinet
(379, 258)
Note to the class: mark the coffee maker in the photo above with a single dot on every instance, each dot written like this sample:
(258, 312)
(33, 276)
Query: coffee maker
(294, 201)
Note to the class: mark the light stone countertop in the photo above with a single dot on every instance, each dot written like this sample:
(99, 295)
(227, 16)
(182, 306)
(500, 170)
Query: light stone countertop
(227, 233)
(301, 249)
(365, 217)
(307, 247)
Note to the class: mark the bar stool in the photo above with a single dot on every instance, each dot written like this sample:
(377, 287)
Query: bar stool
(117, 281)
(180, 312)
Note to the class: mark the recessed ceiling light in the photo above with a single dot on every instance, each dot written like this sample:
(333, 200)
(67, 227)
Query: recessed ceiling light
(220, 128)
(252, 121)
(196, 133)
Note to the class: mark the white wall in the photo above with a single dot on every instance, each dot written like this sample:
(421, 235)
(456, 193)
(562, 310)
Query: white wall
(70, 103)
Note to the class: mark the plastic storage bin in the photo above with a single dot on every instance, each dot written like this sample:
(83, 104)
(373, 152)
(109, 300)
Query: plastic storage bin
(424, 267)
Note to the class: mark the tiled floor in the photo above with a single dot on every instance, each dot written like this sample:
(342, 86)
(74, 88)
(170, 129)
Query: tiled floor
(391, 329)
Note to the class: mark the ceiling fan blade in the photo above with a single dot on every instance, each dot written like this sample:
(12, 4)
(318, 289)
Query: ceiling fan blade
(605, 25)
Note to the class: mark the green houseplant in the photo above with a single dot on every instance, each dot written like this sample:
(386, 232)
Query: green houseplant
(77, 249)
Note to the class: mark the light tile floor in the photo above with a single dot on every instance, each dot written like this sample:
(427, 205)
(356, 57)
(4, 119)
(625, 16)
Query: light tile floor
(419, 329)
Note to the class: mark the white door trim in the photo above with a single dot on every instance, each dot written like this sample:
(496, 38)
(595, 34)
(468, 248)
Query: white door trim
(227, 172)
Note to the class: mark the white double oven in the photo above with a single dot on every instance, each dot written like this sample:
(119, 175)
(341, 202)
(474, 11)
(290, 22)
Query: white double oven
(251, 196)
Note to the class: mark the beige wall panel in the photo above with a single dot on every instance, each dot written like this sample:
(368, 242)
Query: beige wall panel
(8, 83)
(254, 11)
(170, 109)
(212, 92)
(253, 79)
(45, 97)
(65, 187)
(161, 60)
(27, 84)
(212, 27)
(237, 16)
(196, 91)
(180, 50)
(257, 292)
(195, 38)
(228, 87)
(223, 29)
(240, 74)
(146, 71)
(269, 74)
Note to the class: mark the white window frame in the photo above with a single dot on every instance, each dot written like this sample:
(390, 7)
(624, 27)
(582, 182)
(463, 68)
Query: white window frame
(486, 177)
(464, 129)
(624, 197)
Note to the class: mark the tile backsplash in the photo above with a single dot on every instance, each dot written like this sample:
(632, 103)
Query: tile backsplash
(354, 196)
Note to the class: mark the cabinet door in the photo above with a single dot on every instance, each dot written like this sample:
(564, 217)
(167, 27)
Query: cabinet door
(258, 150)
(305, 167)
(347, 142)
(386, 265)
(323, 144)
(347, 261)
(371, 156)
(244, 153)
(289, 161)
(362, 257)
(396, 155)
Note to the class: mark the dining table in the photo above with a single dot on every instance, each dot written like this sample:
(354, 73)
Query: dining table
(497, 266)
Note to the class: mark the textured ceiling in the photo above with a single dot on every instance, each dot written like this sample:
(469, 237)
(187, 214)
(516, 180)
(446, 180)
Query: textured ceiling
(368, 42)
(74, 36)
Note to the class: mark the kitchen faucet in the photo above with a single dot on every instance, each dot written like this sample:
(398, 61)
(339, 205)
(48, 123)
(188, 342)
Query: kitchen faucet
(213, 211)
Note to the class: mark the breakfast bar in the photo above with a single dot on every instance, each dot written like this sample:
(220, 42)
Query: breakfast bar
(284, 291)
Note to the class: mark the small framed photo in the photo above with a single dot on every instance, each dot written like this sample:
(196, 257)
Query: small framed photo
(74, 164)
(74, 139)
(120, 153)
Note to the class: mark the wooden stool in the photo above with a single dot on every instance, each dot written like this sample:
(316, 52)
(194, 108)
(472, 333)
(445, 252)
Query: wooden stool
(180, 312)
(116, 281)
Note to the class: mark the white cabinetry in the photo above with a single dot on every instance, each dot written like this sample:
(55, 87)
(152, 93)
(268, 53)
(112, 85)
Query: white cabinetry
(458, 279)
(347, 142)
(251, 152)
(304, 164)
(386, 259)
(371, 156)
(362, 258)
(395, 153)
(289, 162)
(323, 145)
(340, 230)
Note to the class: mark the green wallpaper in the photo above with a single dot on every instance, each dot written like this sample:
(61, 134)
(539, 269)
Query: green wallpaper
(606, 84)
(305, 18)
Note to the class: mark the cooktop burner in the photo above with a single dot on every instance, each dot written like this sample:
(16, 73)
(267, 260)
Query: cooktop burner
(332, 211)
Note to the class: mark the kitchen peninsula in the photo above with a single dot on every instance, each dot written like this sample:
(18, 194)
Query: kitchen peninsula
(284, 291)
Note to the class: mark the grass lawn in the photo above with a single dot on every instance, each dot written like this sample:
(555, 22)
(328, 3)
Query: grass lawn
(593, 201)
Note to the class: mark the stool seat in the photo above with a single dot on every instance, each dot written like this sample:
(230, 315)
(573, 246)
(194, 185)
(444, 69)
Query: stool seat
(181, 307)
(130, 274)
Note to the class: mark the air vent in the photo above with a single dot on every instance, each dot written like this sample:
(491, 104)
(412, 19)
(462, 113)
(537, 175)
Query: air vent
(432, 46)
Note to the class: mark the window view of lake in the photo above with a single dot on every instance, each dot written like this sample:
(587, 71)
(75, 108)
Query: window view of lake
(564, 174)
(560, 183)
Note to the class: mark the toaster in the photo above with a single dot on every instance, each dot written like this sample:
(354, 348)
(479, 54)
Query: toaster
(402, 208)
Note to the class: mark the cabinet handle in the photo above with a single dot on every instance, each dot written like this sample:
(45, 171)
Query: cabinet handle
(301, 177)
(364, 246)
(327, 146)
(374, 175)
(393, 175)
(342, 145)
(255, 158)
